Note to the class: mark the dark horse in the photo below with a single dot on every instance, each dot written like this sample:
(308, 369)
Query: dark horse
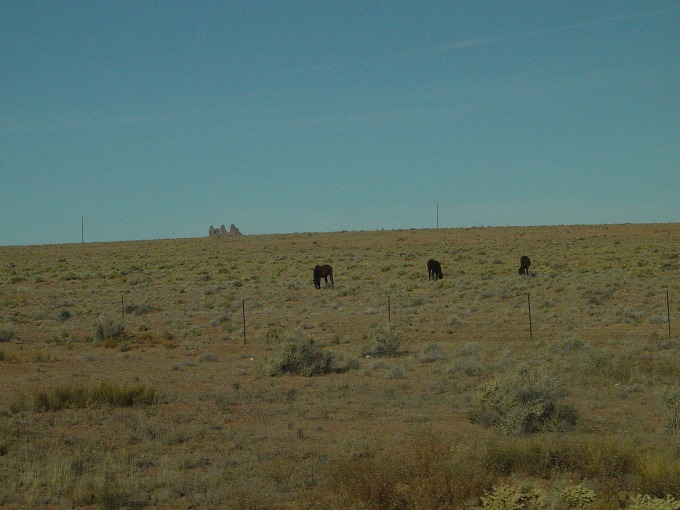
(324, 272)
(524, 264)
(434, 270)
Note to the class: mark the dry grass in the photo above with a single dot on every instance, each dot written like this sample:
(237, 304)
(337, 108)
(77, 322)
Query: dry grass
(92, 325)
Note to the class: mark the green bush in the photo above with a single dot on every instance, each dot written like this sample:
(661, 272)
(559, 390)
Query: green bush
(523, 403)
(384, 342)
(650, 503)
(507, 497)
(299, 354)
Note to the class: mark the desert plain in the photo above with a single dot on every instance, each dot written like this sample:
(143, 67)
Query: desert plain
(210, 373)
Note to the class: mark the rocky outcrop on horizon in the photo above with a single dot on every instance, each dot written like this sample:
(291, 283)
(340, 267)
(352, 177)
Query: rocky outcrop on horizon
(222, 231)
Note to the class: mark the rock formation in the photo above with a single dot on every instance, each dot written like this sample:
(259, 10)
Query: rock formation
(222, 231)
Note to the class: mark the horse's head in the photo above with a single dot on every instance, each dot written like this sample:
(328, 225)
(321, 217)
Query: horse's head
(438, 269)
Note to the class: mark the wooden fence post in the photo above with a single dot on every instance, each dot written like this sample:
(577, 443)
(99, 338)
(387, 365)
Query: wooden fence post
(668, 312)
(244, 321)
(122, 314)
(531, 329)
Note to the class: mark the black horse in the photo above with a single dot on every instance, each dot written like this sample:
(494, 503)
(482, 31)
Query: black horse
(524, 264)
(434, 270)
(324, 272)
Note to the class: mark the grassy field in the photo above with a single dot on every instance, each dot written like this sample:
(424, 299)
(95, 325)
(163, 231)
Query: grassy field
(127, 381)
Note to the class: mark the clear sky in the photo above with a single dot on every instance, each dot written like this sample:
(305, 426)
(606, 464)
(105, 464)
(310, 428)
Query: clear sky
(156, 119)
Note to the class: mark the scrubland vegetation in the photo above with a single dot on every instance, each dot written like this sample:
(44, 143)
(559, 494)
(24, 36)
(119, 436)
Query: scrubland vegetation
(127, 381)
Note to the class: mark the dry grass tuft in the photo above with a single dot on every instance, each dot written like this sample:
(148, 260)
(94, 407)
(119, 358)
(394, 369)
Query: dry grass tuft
(103, 393)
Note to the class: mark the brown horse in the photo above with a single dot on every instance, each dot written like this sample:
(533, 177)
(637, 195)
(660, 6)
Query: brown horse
(524, 264)
(434, 270)
(324, 272)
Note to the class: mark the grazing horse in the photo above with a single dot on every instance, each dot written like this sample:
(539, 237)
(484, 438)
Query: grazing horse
(524, 264)
(324, 272)
(434, 270)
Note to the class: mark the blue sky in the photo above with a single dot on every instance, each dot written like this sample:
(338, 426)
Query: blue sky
(157, 119)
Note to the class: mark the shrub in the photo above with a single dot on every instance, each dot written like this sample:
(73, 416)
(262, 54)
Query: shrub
(106, 328)
(508, 497)
(431, 352)
(101, 394)
(114, 494)
(639, 502)
(208, 357)
(578, 496)
(6, 434)
(612, 459)
(669, 398)
(427, 474)
(299, 354)
(384, 342)
(272, 334)
(122, 396)
(7, 333)
(522, 403)
(138, 309)
(63, 315)
(659, 475)
(342, 362)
